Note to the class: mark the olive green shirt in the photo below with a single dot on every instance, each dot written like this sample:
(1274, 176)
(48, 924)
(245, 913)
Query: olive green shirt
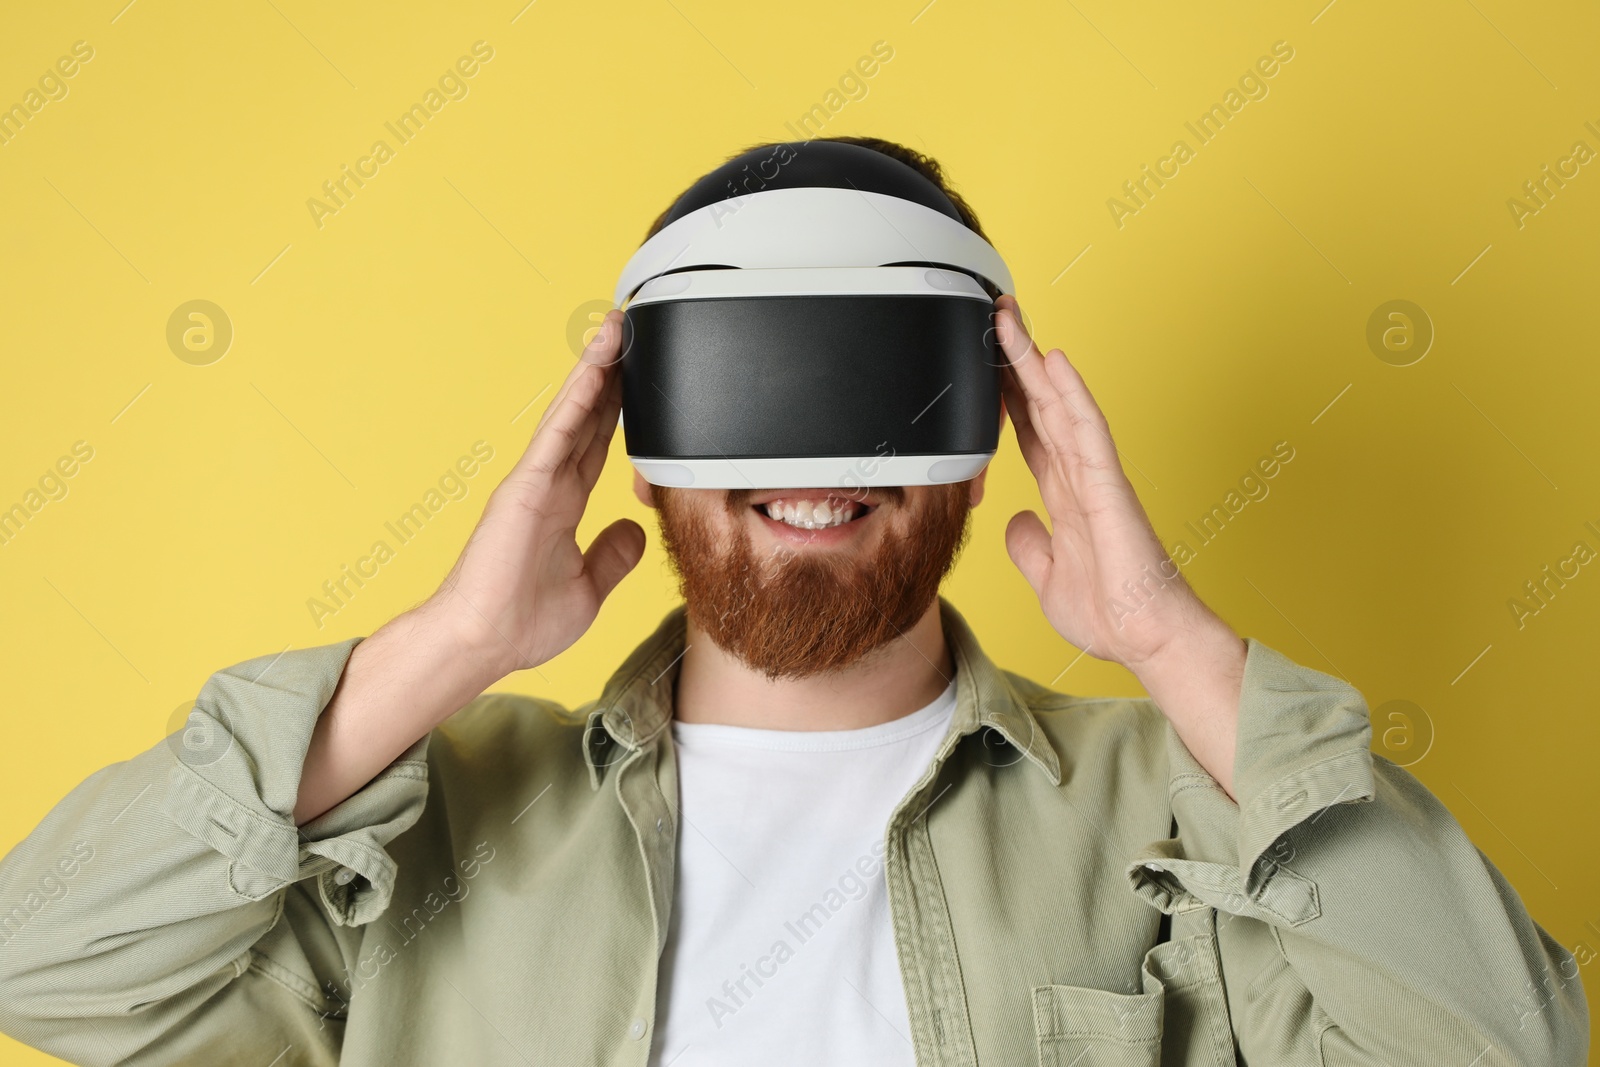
(1068, 888)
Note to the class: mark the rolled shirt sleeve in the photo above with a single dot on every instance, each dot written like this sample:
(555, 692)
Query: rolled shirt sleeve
(1391, 938)
(236, 778)
(184, 860)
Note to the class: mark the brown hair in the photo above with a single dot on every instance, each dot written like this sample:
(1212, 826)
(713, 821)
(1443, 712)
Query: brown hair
(927, 166)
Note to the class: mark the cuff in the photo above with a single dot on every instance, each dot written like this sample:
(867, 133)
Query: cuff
(235, 776)
(1304, 744)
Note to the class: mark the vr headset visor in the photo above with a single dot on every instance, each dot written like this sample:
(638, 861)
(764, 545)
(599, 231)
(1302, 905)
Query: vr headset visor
(813, 336)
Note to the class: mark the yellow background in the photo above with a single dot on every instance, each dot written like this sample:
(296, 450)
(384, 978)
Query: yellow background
(1225, 316)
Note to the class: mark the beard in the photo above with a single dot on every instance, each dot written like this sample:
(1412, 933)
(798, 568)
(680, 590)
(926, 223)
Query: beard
(790, 614)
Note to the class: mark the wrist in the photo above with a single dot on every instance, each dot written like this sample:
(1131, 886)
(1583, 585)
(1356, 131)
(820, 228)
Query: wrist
(466, 652)
(1204, 648)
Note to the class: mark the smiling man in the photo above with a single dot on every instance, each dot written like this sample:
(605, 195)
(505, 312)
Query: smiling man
(806, 821)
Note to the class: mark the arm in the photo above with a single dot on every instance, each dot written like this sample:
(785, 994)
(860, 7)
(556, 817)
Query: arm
(521, 592)
(162, 936)
(1360, 926)
(218, 880)
(1357, 922)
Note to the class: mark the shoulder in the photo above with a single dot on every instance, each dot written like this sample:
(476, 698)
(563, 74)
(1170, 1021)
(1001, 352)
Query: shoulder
(497, 746)
(1104, 732)
(499, 725)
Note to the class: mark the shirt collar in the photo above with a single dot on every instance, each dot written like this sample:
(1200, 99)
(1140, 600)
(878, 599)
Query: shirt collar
(635, 706)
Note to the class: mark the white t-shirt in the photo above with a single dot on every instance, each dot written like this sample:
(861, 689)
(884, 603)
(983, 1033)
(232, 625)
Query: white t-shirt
(780, 949)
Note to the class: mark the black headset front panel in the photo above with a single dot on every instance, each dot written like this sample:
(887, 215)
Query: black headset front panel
(791, 376)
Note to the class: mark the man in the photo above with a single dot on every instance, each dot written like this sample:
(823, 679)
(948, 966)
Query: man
(806, 821)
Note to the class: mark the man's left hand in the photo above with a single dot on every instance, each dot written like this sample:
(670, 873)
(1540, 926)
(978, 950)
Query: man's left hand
(1100, 572)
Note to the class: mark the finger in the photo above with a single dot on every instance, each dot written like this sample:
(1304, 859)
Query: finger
(591, 424)
(1033, 450)
(558, 436)
(1049, 420)
(1091, 432)
(614, 552)
(1006, 300)
(562, 428)
(1028, 545)
(593, 458)
(1009, 374)
(599, 352)
(1055, 489)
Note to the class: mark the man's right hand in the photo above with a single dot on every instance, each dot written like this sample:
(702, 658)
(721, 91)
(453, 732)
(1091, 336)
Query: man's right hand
(522, 591)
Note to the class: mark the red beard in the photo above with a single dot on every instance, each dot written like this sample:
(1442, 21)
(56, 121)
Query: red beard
(789, 614)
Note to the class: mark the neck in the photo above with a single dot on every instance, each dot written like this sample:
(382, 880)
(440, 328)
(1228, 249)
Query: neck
(891, 682)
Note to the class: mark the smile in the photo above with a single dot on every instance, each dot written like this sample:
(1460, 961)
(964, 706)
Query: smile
(813, 513)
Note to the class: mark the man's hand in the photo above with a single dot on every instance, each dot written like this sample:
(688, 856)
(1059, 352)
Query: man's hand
(1100, 573)
(520, 593)
(523, 591)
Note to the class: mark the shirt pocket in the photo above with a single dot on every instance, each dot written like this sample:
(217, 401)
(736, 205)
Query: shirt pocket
(1080, 1026)
(1178, 1019)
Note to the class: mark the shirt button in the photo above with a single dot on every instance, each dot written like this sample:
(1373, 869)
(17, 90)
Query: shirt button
(636, 1028)
(345, 876)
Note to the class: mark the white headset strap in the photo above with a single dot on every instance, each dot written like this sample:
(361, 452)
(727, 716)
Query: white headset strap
(813, 227)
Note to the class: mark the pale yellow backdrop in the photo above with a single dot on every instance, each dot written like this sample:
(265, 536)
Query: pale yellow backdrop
(1438, 463)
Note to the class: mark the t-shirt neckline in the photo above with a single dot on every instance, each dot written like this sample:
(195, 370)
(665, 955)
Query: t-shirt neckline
(885, 733)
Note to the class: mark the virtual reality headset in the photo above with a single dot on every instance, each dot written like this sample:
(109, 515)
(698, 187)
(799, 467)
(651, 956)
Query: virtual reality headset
(830, 328)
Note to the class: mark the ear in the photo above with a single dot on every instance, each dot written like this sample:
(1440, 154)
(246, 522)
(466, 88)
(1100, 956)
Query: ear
(643, 490)
(975, 486)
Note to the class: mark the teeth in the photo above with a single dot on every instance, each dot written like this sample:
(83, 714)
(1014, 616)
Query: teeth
(809, 514)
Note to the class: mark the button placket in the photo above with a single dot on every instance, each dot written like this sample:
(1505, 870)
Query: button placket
(925, 938)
